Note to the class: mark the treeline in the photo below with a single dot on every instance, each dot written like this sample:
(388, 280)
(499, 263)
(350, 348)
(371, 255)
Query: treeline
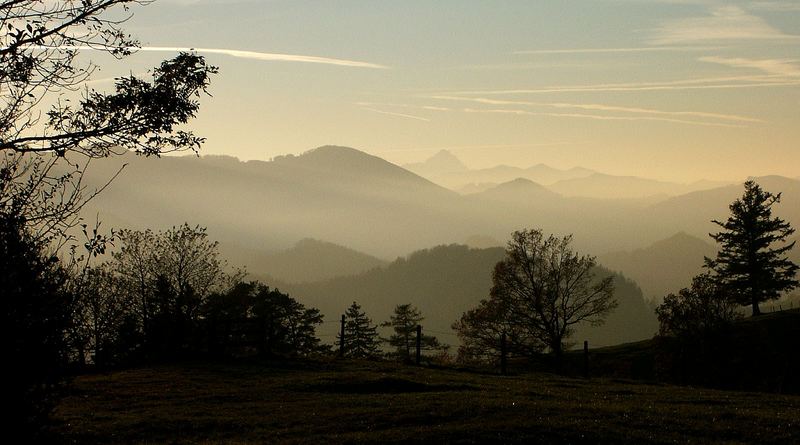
(168, 294)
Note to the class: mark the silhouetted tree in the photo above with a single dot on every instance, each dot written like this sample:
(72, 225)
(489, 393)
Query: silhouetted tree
(168, 276)
(135, 268)
(100, 312)
(37, 310)
(272, 322)
(696, 324)
(404, 323)
(224, 314)
(697, 311)
(747, 264)
(361, 336)
(481, 330)
(44, 152)
(540, 291)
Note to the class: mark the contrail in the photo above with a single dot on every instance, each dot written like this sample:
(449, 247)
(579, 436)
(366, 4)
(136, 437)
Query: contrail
(252, 55)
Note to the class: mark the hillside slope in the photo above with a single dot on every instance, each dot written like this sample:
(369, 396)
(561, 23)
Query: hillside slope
(664, 266)
(446, 281)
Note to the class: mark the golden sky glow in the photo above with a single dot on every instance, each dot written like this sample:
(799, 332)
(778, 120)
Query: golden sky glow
(678, 90)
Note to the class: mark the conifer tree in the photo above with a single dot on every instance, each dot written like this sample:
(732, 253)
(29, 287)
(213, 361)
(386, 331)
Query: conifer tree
(361, 336)
(404, 322)
(748, 264)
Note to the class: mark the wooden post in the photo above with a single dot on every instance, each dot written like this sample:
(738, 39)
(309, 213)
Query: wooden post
(341, 339)
(586, 359)
(503, 352)
(419, 343)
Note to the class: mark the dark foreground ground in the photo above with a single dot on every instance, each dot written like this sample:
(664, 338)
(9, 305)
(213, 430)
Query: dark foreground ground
(362, 402)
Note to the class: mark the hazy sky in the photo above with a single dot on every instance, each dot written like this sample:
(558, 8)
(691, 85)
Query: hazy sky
(672, 89)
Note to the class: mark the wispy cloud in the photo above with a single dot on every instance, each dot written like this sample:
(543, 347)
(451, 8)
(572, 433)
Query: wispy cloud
(603, 107)
(645, 49)
(598, 117)
(252, 55)
(712, 83)
(723, 23)
(775, 6)
(271, 57)
(777, 67)
(392, 113)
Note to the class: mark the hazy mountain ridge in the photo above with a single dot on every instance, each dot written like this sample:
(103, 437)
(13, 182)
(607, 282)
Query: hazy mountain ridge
(310, 260)
(454, 175)
(352, 199)
(663, 267)
(331, 193)
(442, 162)
(446, 169)
(517, 191)
(445, 281)
(599, 185)
(693, 212)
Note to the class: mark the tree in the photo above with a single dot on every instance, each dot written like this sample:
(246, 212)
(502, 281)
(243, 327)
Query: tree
(696, 327)
(101, 310)
(540, 291)
(482, 328)
(697, 311)
(283, 325)
(36, 315)
(135, 270)
(404, 322)
(44, 152)
(361, 336)
(167, 277)
(747, 264)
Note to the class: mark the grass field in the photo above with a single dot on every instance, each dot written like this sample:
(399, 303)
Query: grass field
(366, 402)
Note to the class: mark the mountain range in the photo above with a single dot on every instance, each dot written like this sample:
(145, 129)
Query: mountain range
(270, 215)
(444, 282)
(308, 260)
(258, 209)
(446, 169)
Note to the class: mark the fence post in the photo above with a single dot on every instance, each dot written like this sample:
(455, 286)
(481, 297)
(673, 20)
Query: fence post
(503, 352)
(586, 359)
(419, 343)
(341, 339)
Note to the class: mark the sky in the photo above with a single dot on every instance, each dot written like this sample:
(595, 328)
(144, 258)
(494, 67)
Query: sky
(670, 89)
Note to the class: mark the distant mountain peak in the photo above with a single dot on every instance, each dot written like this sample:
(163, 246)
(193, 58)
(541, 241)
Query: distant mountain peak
(521, 183)
(334, 150)
(445, 158)
(516, 190)
(443, 162)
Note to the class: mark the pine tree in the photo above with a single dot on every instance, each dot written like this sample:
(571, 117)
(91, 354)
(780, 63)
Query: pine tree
(404, 321)
(747, 264)
(361, 336)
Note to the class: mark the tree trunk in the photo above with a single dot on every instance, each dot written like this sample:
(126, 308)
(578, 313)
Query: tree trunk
(756, 309)
(558, 352)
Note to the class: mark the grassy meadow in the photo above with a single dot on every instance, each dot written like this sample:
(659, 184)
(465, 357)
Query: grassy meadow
(380, 402)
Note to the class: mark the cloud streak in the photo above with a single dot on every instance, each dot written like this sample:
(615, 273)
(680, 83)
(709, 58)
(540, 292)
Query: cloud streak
(723, 23)
(712, 83)
(645, 49)
(598, 117)
(777, 67)
(602, 107)
(270, 57)
(251, 55)
(391, 113)
(649, 114)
